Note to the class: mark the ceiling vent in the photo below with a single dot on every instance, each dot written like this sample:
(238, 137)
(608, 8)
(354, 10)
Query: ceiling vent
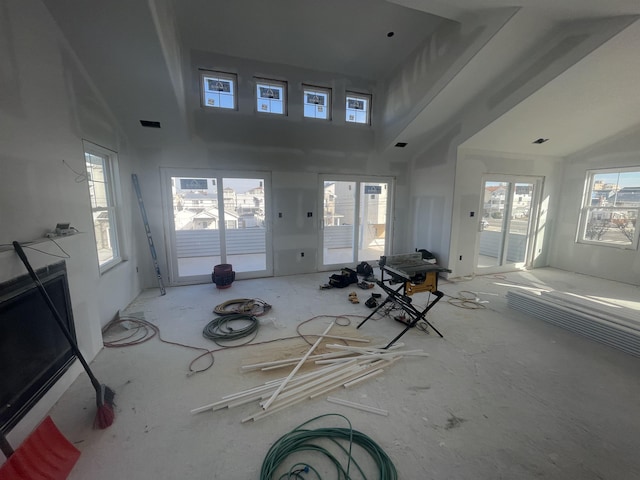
(401, 144)
(540, 141)
(149, 124)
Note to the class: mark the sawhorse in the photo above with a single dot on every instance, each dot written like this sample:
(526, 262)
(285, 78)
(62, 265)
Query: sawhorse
(400, 297)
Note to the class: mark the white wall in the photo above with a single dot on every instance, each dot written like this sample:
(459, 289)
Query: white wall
(294, 149)
(47, 107)
(600, 261)
(469, 194)
(434, 167)
(428, 70)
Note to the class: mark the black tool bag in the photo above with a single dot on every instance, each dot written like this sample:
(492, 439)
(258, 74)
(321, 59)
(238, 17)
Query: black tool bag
(343, 279)
(365, 269)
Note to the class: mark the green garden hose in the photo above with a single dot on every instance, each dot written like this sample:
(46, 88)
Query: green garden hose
(301, 440)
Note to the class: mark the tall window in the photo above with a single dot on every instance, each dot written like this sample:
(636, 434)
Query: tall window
(218, 90)
(271, 96)
(358, 108)
(611, 208)
(101, 178)
(317, 102)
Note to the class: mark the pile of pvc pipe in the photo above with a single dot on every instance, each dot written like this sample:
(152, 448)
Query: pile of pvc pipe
(345, 367)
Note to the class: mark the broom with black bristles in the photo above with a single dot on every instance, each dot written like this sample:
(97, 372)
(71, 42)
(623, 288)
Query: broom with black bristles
(104, 395)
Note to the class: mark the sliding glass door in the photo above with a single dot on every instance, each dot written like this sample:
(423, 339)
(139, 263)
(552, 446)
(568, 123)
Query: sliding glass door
(214, 218)
(356, 220)
(505, 230)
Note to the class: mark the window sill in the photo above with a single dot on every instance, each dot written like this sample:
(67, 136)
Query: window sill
(609, 245)
(110, 265)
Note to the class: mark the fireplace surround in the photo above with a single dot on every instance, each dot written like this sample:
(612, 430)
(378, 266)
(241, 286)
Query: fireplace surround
(34, 353)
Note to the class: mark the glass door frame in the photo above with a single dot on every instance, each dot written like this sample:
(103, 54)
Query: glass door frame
(166, 174)
(532, 225)
(358, 180)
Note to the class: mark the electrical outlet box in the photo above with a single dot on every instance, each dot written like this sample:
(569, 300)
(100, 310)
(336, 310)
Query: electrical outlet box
(64, 229)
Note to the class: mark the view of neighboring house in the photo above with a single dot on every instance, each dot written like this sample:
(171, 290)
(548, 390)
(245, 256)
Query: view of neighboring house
(195, 205)
(494, 200)
(340, 201)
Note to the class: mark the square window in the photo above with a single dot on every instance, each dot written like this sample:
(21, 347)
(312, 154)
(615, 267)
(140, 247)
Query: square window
(358, 108)
(317, 102)
(271, 96)
(218, 90)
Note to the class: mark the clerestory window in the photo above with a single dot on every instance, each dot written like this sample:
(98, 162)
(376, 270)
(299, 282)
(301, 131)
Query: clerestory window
(271, 96)
(317, 102)
(358, 108)
(218, 90)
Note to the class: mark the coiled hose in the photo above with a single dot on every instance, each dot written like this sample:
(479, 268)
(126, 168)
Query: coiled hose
(220, 329)
(301, 440)
(249, 306)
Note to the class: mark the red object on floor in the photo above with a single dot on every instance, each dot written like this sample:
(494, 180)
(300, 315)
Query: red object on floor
(223, 275)
(45, 455)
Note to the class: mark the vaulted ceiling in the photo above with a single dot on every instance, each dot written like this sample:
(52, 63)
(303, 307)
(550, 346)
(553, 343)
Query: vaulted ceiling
(134, 51)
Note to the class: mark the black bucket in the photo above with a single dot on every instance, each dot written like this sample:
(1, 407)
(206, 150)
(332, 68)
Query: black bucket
(223, 275)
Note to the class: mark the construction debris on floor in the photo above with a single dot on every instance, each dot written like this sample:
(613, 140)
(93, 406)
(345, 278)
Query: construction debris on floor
(342, 366)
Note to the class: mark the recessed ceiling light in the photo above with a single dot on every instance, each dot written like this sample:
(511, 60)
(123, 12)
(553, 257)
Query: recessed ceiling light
(149, 124)
(401, 144)
(541, 140)
(390, 34)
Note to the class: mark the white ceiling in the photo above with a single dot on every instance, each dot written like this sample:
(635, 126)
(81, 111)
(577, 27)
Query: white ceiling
(594, 99)
(557, 9)
(340, 36)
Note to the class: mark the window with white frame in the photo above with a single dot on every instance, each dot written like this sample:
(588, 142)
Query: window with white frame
(271, 96)
(358, 108)
(317, 102)
(611, 208)
(218, 89)
(103, 192)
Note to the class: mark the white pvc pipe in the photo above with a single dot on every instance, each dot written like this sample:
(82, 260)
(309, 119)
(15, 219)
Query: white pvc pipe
(256, 366)
(363, 378)
(335, 346)
(297, 367)
(319, 389)
(348, 339)
(325, 379)
(359, 406)
(334, 385)
(276, 367)
(413, 353)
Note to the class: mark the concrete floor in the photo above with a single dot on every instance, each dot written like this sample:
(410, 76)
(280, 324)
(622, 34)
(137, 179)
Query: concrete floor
(502, 396)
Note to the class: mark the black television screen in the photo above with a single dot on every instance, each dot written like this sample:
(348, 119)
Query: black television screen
(34, 353)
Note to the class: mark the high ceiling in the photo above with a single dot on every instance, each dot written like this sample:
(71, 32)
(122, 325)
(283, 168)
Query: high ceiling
(340, 36)
(558, 9)
(595, 99)
(132, 51)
